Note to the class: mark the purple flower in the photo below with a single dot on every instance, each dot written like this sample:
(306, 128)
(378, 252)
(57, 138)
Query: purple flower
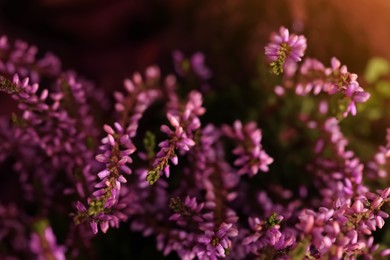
(196, 65)
(251, 156)
(57, 132)
(377, 166)
(267, 234)
(187, 211)
(14, 233)
(44, 245)
(346, 229)
(181, 137)
(20, 58)
(284, 50)
(141, 94)
(104, 206)
(215, 244)
(316, 78)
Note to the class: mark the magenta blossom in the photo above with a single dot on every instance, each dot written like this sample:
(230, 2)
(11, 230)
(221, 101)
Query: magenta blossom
(284, 50)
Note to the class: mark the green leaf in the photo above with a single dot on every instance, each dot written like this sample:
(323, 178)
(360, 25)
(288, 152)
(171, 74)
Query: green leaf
(299, 252)
(383, 88)
(149, 144)
(308, 105)
(153, 176)
(376, 68)
(40, 225)
(272, 220)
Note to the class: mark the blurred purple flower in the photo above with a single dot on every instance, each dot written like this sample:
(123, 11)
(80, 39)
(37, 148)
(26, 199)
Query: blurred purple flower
(44, 245)
(196, 65)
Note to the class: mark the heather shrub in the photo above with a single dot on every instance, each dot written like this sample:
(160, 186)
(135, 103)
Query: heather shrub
(289, 166)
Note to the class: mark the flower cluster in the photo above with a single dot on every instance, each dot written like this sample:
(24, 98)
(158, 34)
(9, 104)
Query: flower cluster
(252, 157)
(378, 167)
(343, 232)
(212, 241)
(51, 128)
(20, 58)
(267, 234)
(73, 163)
(116, 150)
(285, 50)
(313, 76)
(181, 138)
(336, 79)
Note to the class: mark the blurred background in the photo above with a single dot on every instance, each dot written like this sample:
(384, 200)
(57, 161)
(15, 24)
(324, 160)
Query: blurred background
(107, 40)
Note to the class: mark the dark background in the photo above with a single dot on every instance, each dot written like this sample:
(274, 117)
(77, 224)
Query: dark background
(107, 40)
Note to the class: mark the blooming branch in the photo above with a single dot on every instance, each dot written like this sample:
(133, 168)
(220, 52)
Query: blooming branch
(252, 157)
(284, 50)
